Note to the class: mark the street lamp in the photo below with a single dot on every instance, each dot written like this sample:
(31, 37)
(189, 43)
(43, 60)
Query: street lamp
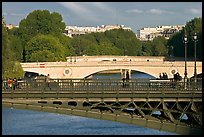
(195, 38)
(185, 73)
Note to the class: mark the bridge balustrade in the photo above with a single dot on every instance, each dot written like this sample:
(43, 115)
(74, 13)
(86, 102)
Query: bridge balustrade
(106, 85)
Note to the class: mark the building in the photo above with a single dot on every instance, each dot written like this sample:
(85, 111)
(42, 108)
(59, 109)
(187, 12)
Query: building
(145, 34)
(10, 26)
(75, 30)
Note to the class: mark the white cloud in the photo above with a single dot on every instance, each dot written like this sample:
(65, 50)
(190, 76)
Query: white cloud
(151, 11)
(12, 14)
(75, 8)
(16, 14)
(195, 11)
(158, 11)
(134, 11)
(89, 11)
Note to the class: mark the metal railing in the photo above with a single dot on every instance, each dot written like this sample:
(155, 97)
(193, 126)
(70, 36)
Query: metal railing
(104, 85)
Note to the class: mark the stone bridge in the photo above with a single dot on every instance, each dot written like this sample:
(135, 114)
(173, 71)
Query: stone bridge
(84, 66)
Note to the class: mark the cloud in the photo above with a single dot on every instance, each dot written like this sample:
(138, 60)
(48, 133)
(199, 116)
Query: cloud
(158, 11)
(102, 6)
(134, 11)
(12, 14)
(195, 11)
(88, 11)
(75, 8)
(151, 11)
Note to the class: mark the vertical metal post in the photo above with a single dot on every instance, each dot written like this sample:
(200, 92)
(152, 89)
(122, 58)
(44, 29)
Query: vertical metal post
(195, 71)
(185, 73)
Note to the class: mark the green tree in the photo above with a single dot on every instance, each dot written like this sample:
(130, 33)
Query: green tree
(146, 48)
(10, 67)
(66, 42)
(176, 40)
(124, 40)
(45, 48)
(159, 46)
(16, 47)
(194, 26)
(175, 43)
(107, 48)
(92, 50)
(40, 22)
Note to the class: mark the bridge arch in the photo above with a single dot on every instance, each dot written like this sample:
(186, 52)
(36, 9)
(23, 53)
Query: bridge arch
(121, 71)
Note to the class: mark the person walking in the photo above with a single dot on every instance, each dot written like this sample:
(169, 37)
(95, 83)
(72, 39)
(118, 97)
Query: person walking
(14, 83)
(9, 82)
(127, 78)
(47, 82)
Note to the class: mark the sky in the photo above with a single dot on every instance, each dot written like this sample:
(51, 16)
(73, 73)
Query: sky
(135, 15)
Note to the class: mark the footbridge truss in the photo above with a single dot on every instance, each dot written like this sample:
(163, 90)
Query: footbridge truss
(158, 105)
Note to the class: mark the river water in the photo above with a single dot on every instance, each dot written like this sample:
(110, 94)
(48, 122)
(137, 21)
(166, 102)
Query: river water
(27, 122)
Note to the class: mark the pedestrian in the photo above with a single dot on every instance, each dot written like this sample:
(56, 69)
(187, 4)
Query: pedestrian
(127, 78)
(9, 82)
(123, 79)
(160, 76)
(47, 82)
(165, 76)
(14, 83)
(179, 77)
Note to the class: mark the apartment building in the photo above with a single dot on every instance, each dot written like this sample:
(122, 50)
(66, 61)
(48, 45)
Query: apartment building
(145, 34)
(75, 30)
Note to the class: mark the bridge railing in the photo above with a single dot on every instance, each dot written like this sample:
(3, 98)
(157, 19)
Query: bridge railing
(105, 85)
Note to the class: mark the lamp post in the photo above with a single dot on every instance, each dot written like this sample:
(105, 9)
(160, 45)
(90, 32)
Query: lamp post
(185, 73)
(195, 38)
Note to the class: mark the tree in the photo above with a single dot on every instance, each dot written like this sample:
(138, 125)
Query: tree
(175, 43)
(45, 48)
(124, 40)
(40, 22)
(43, 22)
(66, 43)
(176, 40)
(159, 46)
(92, 50)
(10, 67)
(146, 48)
(13, 69)
(16, 47)
(194, 26)
(106, 48)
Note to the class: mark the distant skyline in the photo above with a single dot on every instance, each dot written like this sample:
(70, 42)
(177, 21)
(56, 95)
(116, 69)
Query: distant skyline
(131, 14)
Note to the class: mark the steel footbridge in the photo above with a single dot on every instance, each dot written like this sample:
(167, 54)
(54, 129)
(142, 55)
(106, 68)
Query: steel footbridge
(164, 105)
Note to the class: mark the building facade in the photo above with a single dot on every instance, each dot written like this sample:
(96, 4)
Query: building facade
(146, 34)
(75, 30)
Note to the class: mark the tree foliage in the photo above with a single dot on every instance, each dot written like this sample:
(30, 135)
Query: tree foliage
(159, 46)
(10, 66)
(45, 48)
(176, 40)
(41, 22)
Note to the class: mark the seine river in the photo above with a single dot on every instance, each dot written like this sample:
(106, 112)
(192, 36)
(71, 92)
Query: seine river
(26, 122)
